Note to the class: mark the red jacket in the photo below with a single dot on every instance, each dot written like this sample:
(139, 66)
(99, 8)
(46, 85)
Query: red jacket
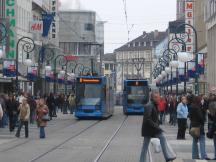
(161, 105)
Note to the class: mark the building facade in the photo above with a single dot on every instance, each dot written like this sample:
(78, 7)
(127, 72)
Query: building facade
(135, 59)
(82, 35)
(210, 20)
(180, 9)
(22, 14)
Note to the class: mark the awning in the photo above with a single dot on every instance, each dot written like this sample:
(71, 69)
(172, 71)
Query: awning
(9, 79)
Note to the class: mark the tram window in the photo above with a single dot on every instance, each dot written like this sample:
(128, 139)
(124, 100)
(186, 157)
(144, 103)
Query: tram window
(138, 95)
(89, 94)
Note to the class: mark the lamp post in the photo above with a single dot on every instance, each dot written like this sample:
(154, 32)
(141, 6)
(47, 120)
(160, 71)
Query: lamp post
(174, 48)
(27, 47)
(186, 35)
(62, 62)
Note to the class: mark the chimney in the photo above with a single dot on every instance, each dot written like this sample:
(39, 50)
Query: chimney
(144, 33)
(156, 33)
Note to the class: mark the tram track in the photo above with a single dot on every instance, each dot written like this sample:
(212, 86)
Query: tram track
(110, 140)
(29, 140)
(64, 142)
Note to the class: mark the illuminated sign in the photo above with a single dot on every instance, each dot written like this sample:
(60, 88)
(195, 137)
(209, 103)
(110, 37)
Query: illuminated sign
(189, 15)
(89, 80)
(10, 14)
(137, 83)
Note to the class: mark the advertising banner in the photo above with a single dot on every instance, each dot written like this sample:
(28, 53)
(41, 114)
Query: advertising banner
(191, 69)
(9, 69)
(201, 63)
(49, 76)
(61, 79)
(32, 73)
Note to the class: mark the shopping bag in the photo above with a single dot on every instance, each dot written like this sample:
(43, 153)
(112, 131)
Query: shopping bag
(156, 145)
(1, 112)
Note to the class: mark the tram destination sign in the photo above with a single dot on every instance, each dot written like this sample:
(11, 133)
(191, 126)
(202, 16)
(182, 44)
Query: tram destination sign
(89, 80)
(137, 83)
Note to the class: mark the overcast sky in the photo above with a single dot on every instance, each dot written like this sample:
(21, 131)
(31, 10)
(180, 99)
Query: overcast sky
(143, 15)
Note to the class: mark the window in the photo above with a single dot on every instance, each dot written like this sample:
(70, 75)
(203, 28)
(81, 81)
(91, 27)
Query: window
(145, 44)
(106, 66)
(89, 27)
(111, 67)
(136, 44)
(151, 44)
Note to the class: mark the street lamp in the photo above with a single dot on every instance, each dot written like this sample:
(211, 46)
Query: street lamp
(180, 34)
(62, 62)
(184, 57)
(27, 47)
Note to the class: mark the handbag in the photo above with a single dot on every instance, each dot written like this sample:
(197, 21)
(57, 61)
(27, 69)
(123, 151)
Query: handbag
(195, 132)
(46, 117)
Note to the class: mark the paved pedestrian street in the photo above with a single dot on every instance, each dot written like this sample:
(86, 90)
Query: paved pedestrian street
(70, 140)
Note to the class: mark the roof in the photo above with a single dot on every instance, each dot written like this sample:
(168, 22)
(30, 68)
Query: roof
(109, 57)
(138, 44)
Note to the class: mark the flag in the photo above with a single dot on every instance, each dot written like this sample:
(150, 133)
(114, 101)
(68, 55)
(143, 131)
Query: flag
(47, 20)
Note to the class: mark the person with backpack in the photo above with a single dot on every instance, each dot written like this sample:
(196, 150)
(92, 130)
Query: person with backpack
(24, 115)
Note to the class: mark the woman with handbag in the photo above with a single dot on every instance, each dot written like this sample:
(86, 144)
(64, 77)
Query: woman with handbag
(197, 128)
(42, 113)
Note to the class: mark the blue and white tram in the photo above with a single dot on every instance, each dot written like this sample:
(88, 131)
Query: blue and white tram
(135, 96)
(94, 97)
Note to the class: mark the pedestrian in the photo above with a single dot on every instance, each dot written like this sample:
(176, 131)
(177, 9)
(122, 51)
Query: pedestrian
(4, 120)
(197, 122)
(151, 129)
(161, 109)
(72, 102)
(182, 114)
(24, 115)
(12, 111)
(42, 111)
(65, 105)
(212, 117)
(32, 104)
(51, 105)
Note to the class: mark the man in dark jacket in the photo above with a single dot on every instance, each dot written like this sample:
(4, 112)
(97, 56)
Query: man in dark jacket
(151, 129)
(12, 110)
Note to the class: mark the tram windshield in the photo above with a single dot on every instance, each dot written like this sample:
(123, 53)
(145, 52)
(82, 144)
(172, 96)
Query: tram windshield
(138, 95)
(89, 94)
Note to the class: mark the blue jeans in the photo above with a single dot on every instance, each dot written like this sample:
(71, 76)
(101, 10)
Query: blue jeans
(195, 150)
(4, 121)
(163, 142)
(214, 145)
(42, 132)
